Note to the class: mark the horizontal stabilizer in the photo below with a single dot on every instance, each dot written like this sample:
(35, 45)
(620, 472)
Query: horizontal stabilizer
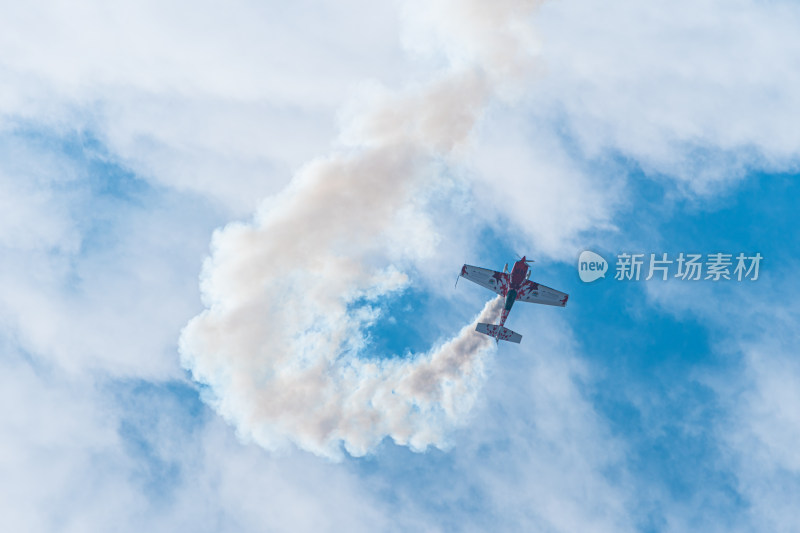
(498, 332)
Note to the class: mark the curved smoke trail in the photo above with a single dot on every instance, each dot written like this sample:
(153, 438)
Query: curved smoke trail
(288, 295)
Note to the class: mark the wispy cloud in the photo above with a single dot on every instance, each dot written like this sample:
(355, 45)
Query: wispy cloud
(538, 117)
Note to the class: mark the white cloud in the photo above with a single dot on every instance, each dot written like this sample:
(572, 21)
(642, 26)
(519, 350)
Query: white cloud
(528, 185)
(57, 441)
(540, 450)
(34, 184)
(226, 104)
(754, 377)
(226, 100)
(94, 455)
(95, 277)
(698, 91)
(759, 431)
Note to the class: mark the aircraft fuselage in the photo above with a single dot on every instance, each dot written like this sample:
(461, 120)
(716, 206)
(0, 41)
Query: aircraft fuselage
(516, 279)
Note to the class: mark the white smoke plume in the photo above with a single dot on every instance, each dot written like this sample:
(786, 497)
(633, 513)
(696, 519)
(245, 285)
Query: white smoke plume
(289, 295)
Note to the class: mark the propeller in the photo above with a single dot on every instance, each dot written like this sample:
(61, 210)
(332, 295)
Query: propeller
(459, 276)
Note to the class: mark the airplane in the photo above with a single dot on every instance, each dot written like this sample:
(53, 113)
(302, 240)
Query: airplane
(514, 287)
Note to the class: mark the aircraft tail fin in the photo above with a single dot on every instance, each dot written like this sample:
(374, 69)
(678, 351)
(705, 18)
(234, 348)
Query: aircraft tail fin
(498, 332)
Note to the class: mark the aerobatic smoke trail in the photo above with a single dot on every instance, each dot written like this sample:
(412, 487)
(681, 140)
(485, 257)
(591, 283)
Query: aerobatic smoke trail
(289, 295)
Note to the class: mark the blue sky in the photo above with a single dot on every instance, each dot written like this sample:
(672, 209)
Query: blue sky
(229, 242)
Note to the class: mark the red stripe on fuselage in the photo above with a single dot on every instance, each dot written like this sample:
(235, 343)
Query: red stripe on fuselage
(518, 274)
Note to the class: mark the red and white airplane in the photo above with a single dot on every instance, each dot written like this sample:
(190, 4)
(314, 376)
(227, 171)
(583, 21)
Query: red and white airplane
(515, 287)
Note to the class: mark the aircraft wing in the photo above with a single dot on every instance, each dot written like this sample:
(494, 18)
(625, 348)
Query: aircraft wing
(491, 279)
(539, 294)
